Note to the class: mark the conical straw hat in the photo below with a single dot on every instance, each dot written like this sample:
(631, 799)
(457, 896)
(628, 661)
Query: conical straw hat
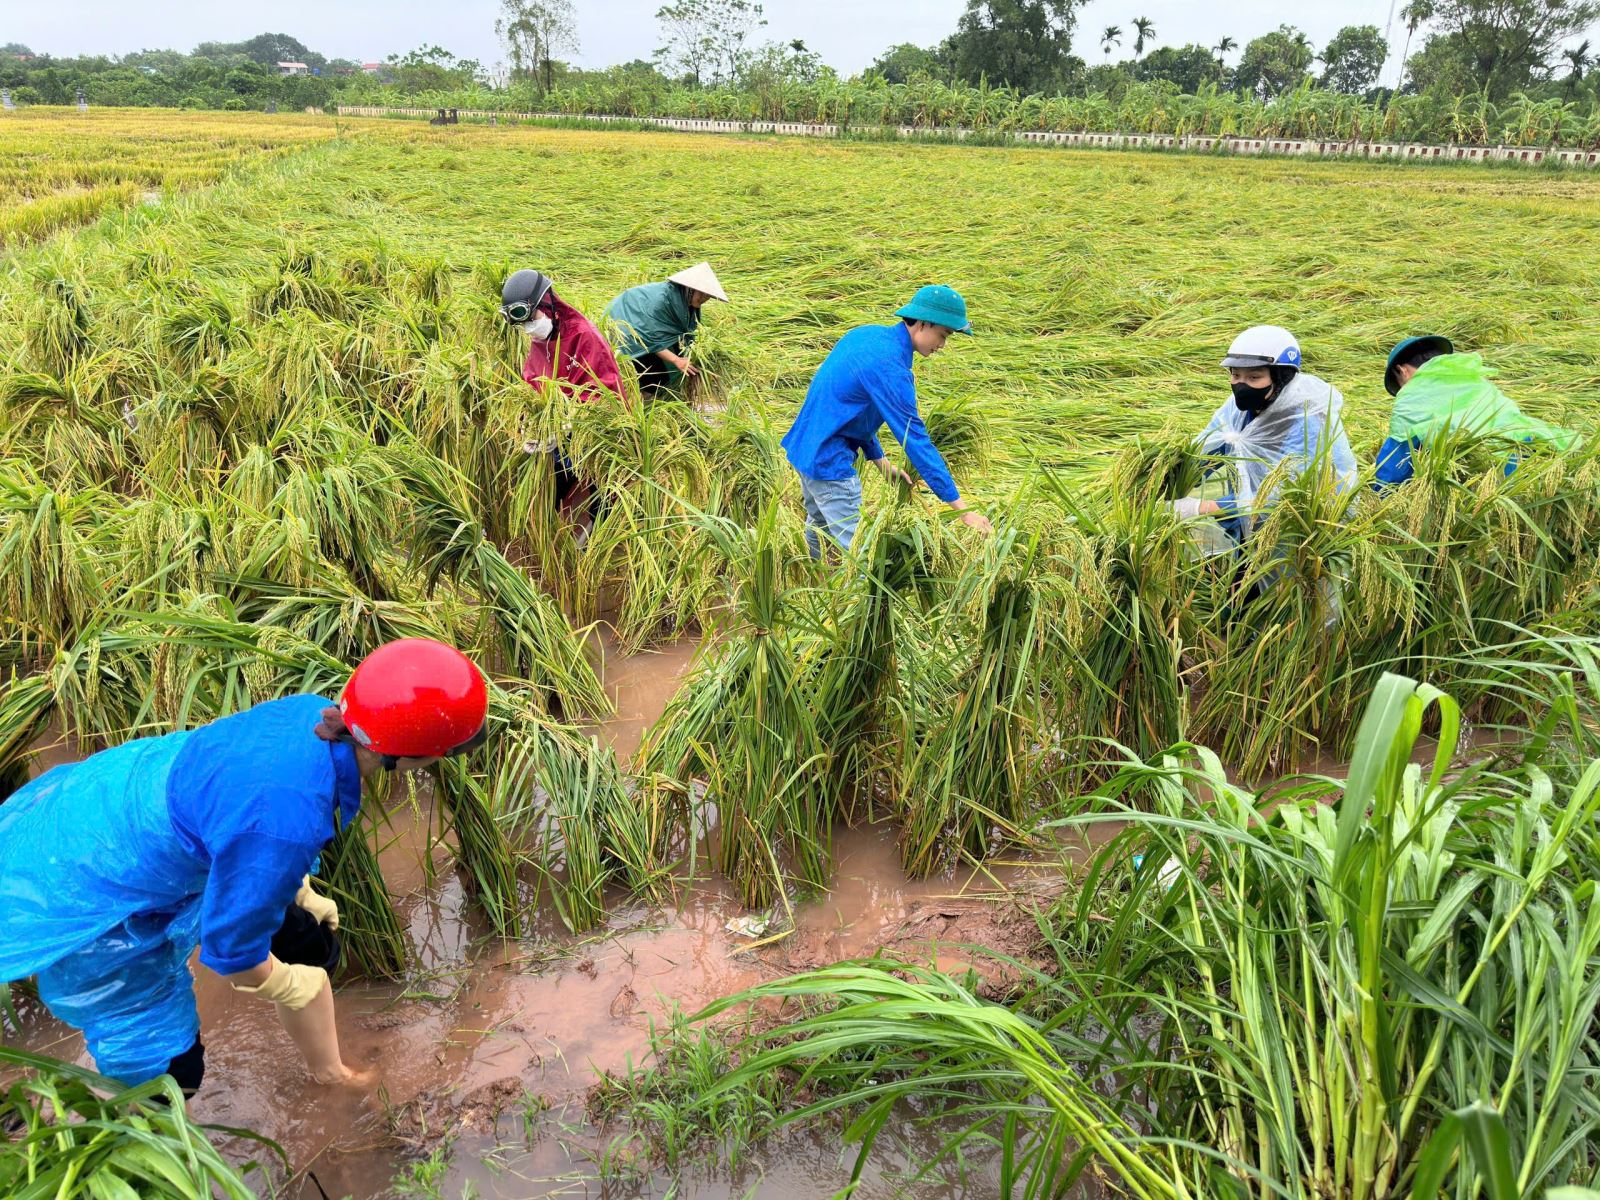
(701, 278)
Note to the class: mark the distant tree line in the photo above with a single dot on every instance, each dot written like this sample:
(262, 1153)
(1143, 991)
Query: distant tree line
(226, 75)
(1493, 48)
(1468, 70)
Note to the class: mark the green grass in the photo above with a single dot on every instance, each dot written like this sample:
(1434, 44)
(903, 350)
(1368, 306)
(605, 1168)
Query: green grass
(70, 1133)
(1355, 987)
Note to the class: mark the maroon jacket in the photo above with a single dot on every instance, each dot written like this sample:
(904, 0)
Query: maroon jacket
(586, 360)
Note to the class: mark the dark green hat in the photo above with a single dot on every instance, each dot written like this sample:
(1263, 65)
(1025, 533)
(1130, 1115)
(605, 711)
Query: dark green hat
(938, 305)
(1428, 341)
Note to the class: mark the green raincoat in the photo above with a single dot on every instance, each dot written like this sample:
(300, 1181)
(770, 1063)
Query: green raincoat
(651, 318)
(1455, 391)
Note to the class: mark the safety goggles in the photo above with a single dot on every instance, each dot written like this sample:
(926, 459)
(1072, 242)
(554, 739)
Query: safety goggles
(518, 311)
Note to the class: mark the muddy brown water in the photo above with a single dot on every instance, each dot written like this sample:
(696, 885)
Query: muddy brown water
(498, 1044)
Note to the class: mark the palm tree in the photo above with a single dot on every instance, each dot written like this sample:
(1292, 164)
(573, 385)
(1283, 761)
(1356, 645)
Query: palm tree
(1415, 14)
(1580, 58)
(1225, 45)
(1144, 28)
(1111, 37)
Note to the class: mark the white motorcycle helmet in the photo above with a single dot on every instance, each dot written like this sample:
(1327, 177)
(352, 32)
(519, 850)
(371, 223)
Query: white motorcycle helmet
(1264, 346)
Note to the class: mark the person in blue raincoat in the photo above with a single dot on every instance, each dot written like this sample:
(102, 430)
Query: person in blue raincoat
(113, 869)
(655, 325)
(864, 384)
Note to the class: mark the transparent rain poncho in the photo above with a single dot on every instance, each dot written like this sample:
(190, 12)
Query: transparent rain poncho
(1299, 427)
(1300, 430)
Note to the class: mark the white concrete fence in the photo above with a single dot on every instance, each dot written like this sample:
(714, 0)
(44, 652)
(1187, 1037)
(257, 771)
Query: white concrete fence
(1306, 147)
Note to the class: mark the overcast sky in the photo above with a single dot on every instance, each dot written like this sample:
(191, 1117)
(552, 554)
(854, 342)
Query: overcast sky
(848, 34)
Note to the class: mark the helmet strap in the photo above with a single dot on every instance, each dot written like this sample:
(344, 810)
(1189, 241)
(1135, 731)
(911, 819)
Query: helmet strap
(471, 744)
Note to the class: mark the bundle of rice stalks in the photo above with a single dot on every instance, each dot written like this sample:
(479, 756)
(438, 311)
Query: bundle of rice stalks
(374, 266)
(342, 623)
(528, 636)
(62, 427)
(299, 281)
(581, 788)
(167, 550)
(1485, 549)
(59, 330)
(745, 464)
(487, 858)
(647, 556)
(1163, 466)
(650, 832)
(428, 278)
(974, 777)
(197, 327)
(546, 791)
(51, 570)
(1124, 565)
(539, 794)
(864, 619)
(372, 937)
(448, 404)
(1290, 624)
(963, 433)
(25, 707)
(21, 391)
(748, 727)
(352, 507)
(179, 435)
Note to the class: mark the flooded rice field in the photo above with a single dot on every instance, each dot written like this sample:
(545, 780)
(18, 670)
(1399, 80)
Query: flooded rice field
(485, 1058)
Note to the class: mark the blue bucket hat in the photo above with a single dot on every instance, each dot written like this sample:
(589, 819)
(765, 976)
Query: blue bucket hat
(1428, 341)
(938, 305)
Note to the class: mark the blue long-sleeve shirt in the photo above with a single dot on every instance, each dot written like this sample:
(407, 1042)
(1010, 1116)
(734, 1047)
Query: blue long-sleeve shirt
(864, 384)
(257, 795)
(1395, 465)
(204, 833)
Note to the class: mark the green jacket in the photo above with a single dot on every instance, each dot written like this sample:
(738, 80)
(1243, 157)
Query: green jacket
(1455, 391)
(653, 317)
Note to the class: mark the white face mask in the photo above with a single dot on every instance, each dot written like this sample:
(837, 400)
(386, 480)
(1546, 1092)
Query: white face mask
(539, 327)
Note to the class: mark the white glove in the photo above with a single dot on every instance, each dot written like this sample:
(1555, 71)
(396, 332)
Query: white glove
(320, 907)
(1187, 509)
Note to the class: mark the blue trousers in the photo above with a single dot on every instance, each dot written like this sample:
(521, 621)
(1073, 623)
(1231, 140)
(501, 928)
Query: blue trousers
(131, 992)
(833, 506)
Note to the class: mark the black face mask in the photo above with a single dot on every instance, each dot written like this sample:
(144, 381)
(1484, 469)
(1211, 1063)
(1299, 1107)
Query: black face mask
(1252, 399)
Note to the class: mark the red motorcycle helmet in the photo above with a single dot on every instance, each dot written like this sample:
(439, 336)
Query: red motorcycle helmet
(415, 698)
